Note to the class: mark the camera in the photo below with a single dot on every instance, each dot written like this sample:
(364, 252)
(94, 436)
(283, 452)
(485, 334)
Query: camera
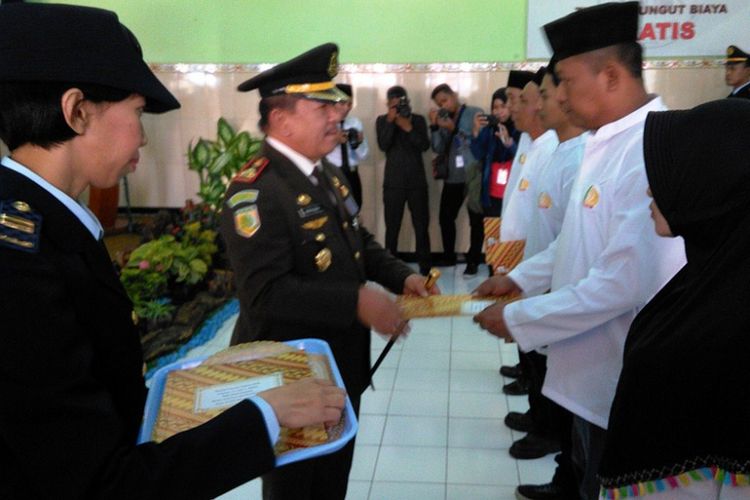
(352, 137)
(443, 114)
(492, 120)
(403, 108)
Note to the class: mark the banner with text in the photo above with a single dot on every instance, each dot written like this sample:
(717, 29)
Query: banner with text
(668, 28)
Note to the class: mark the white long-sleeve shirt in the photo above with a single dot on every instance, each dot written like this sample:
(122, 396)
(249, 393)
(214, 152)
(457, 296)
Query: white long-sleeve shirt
(516, 215)
(551, 194)
(515, 168)
(604, 266)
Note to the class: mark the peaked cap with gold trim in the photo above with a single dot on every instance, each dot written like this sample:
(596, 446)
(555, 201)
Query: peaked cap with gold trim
(308, 75)
(736, 55)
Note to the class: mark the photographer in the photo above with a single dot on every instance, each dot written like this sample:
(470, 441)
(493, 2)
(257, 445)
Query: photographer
(402, 135)
(494, 146)
(353, 145)
(451, 126)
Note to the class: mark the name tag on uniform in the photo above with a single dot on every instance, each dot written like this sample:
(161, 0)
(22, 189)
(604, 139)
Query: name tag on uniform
(459, 161)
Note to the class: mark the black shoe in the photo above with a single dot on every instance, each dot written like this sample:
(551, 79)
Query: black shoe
(511, 371)
(533, 446)
(519, 421)
(518, 387)
(471, 269)
(549, 491)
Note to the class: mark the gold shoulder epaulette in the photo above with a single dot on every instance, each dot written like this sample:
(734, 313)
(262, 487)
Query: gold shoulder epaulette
(252, 170)
(20, 226)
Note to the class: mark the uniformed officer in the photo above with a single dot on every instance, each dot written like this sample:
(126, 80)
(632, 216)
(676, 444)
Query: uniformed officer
(737, 72)
(300, 256)
(73, 87)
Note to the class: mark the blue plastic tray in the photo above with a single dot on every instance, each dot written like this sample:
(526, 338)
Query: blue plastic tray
(315, 346)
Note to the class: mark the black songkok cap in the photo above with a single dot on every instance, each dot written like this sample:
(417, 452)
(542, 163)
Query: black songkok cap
(539, 76)
(736, 55)
(518, 79)
(308, 75)
(345, 88)
(593, 28)
(395, 91)
(68, 43)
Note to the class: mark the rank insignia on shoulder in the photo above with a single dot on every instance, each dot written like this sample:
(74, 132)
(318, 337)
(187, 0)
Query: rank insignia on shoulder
(243, 197)
(343, 190)
(247, 221)
(20, 226)
(252, 170)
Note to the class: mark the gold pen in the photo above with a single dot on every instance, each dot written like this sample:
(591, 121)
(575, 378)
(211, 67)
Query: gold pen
(432, 278)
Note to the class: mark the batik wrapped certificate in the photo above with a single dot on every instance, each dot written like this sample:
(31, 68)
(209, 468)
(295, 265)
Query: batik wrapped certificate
(447, 305)
(188, 393)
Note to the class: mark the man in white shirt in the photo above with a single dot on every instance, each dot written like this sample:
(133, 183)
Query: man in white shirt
(607, 261)
(353, 147)
(517, 212)
(517, 80)
(550, 422)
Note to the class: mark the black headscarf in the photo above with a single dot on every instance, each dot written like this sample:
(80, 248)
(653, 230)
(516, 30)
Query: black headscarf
(683, 398)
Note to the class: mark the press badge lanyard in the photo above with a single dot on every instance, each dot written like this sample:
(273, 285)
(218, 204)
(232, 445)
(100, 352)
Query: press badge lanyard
(457, 140)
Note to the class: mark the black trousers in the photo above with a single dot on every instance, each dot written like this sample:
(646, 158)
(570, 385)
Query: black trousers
(551, 421)
(355, 183)
(451, 200)
(394, 200)
(322, 478)
(476, 224)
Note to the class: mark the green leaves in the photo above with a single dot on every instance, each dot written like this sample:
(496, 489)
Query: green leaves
(216, 162)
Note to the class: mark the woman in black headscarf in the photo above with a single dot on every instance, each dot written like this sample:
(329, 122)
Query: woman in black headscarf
(679, 422)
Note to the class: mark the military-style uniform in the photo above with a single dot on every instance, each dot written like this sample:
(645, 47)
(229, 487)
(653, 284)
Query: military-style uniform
(299, 260)
(300, 256)
(71, 374)
(736, 55)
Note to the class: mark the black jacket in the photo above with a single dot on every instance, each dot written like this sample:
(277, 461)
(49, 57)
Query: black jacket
(744, 92)
(72, 386)
(404, 167)
(284, 294)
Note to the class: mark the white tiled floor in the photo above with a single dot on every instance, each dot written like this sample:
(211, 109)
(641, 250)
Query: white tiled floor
(433, 428)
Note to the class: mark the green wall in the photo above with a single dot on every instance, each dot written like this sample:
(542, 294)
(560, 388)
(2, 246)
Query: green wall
(367, 31)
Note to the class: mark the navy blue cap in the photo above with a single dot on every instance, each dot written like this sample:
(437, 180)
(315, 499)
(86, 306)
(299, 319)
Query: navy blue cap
(68, 43)
(736, 55)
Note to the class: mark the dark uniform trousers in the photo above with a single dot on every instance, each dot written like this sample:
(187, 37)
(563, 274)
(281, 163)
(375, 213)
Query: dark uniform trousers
(299, 264)
(72, 383)
(451, 199)
(394, 200)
